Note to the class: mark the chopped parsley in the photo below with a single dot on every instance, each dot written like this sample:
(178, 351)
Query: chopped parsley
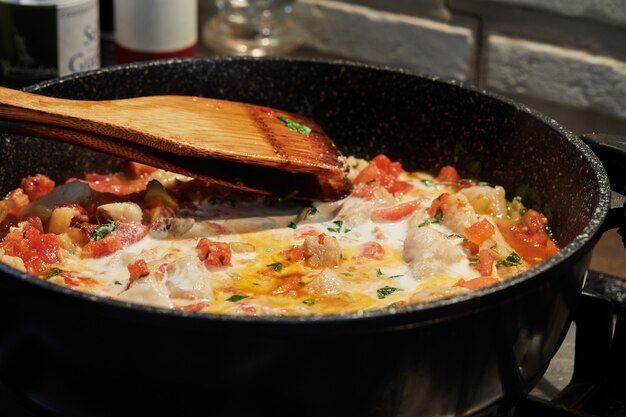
(338, 229)
(308, 301)
(292, 225)
(523, 211)
(102, 230)
(53, 272)
(437, 218)
(236, 297)
(379, 272)
(512, 260)
(298, 127)
(277, 266)
(385, 291)
(312, 210)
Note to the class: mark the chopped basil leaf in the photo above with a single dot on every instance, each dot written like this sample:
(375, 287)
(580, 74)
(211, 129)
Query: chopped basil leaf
(298, 127)
(385, 291)
(427, 183)
(312, 210)
(308, 301)
(117, 282)
(523, 211)
(339, 224)
(53, 272)
(378, 272)
(512, 260)
(292, 225)
(438, 215)
(277, 266)
(102, 230)
(236, 298)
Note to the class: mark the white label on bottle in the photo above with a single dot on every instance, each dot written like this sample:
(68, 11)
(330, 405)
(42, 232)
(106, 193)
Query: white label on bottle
(156, 25)
(78, 37)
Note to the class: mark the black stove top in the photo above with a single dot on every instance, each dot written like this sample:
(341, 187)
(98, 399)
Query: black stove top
(585, 378)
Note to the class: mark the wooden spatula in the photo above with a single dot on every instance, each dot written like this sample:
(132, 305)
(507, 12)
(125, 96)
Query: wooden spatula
(239, 145)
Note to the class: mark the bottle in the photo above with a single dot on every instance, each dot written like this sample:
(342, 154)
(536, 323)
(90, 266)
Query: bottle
(46, 39)
(155, 29)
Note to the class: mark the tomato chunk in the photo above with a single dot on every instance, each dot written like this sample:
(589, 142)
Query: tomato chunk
(485, 263)
(480, 231)
(294, 254)
(138, 269)
(124, 235)
(37, 186)
(395, 213)
(529, 239)
(382, 172)
(214, 253)
(476, 283)
(372, 250)
(37, 250)
(448, 175)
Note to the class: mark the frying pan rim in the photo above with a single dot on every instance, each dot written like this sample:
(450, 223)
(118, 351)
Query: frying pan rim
(460, 304)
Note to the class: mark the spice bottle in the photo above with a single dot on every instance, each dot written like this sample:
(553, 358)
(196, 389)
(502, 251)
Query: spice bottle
(46, 39)
(154, 29)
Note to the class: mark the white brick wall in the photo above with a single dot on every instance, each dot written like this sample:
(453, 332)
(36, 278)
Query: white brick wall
(557, 74)
(566, 56)
(362, 33)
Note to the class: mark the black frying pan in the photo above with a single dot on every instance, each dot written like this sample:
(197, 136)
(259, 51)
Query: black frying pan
(75, 354)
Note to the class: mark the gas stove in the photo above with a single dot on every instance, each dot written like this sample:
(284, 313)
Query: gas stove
(584, 379)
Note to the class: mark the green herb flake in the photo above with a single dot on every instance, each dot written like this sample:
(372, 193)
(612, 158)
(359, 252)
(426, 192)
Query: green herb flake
(482, 183)
(236, 297)
(102, 230)
(338, 229)
(117, 282)
(427, 183)
(396, 276)
(379, 272)
(438, 216)
(277, 266)
(523, 211)
(53, 272)
(292, 225)
(385, 291)
(308, 301)
(512, 260)
(298, 127)
(312, 210)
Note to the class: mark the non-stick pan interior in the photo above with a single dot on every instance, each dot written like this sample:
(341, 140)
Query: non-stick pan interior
(422, 122)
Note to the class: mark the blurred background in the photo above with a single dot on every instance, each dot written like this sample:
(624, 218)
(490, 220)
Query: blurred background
(565, 58)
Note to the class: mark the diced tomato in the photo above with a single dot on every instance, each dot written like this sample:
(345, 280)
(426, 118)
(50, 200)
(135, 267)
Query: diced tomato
(138, 269)
(436, 204)
(294, 254)
(367, 174)
(193, 307)
(118, 183)
(372, 250)
(395, 213)
(124, 235)
(380, 172)
(485, 263)
(37, 250)
(480, 231)
(72, 279)
(476, 283)
(37, 186)
(448, 175)
(529, 239)
(214, 253)
(305, 231)
(19, 200)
